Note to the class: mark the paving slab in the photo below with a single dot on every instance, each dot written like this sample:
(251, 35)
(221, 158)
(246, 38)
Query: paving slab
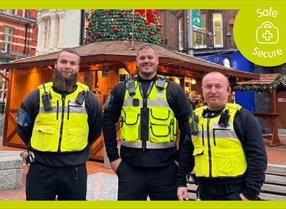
(102, 186)
(11, 170)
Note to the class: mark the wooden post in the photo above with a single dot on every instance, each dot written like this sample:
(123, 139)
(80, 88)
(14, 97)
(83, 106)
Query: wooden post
(274, 119)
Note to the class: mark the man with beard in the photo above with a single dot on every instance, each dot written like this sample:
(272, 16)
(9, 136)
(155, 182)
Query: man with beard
(148, 106)
(58, 122)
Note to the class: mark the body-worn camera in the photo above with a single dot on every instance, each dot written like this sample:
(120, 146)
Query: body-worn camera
(224, 119)
(160, 83)
(46, 98)
(131, 87)
(80, 98)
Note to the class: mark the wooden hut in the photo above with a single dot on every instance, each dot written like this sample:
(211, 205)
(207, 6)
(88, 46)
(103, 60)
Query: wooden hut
(103, 64)
(273, 84)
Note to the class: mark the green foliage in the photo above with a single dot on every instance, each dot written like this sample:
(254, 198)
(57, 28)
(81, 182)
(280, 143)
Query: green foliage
(111, 25)
(262, 87)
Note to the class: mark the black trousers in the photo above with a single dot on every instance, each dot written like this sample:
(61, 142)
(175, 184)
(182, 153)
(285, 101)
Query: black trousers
(136, 183)
(220, 192)
(61, 183)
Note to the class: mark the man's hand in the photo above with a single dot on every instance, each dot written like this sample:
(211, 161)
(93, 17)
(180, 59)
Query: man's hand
(182, 193)
(242, 197)
(114, 164)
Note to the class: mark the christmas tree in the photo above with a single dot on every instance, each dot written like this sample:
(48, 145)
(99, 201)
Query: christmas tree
(113, 25)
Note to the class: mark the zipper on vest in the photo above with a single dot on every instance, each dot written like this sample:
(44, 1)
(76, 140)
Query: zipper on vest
(209, 147)
(62, 122)
(214, 137)
(172, 130)
(145, 113)
(68, 117)
(203, 135)
(57, 109)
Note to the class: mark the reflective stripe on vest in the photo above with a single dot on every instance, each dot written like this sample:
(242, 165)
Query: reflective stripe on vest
(149, 145)
(58, 130)
(217, 150)
(161, 126)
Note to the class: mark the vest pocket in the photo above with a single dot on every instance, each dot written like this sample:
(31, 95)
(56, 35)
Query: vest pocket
(130, 126)
(221, 134)
(160, 114)
(131, 119)
(75, 140)
(201, 166)
(224, 163)
(162, 127)
(45, 140)
(160, 130)
(46, 129)
(198, 152)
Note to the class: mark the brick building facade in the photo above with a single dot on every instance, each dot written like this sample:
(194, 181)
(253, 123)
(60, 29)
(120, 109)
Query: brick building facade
(18, 34)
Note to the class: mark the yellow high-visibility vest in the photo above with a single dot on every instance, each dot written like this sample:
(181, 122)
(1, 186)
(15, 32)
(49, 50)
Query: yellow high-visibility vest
(160, 126)
(217, 150)
(65, 127)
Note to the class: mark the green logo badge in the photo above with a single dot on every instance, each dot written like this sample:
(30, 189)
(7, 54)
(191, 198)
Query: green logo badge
(260, 35)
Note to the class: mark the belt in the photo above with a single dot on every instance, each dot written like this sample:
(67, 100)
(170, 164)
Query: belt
(149, 145)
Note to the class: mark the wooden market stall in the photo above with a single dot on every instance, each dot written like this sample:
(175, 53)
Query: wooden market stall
(103, 65)
(272, 84)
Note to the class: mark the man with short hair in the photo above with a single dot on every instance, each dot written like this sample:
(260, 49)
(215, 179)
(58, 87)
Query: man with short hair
(148, 107)
(229, 154)
(58, 122)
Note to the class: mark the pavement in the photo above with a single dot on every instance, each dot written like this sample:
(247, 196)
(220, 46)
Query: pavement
(102, 181)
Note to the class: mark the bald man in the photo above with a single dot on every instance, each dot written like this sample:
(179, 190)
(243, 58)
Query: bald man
(228, 154)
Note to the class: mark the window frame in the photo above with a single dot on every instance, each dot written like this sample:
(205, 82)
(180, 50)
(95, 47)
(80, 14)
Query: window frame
(180, 33)
(201, 33)
(7, 39)
(215, 39)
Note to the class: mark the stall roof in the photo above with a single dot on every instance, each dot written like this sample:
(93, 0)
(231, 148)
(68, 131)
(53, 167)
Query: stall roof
(117, 51)
(263, 83)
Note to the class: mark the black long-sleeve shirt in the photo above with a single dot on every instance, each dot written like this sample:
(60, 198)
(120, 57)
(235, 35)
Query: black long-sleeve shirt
(248, 132)
(31, 106)
(137, 157)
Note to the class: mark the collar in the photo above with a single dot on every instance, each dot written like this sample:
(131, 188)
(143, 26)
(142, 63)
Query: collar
(141, 79)
(211, 113)
(59, 91)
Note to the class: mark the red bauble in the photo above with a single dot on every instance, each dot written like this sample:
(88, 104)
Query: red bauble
(122, 14)
(159, 28)
(115, 29)
(99, 34)
(140, 29)
(152, 33)
(109, 12)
